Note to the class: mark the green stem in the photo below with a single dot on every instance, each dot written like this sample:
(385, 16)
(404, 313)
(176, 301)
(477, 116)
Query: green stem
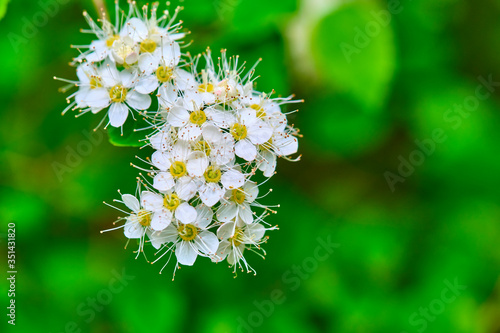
(100, 7)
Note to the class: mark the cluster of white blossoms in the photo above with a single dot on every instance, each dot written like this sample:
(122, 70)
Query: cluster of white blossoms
(213, 135)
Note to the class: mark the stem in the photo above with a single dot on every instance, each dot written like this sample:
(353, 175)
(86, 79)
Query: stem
(100, 7)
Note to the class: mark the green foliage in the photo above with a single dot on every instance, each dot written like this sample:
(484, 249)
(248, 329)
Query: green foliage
(3, 8)
(352, 56)
(131, 135)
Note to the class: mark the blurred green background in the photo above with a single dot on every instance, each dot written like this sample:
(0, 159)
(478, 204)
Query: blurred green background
(372, 88)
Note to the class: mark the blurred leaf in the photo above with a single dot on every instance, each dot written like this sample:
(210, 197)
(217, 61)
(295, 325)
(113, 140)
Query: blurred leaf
(132, 133)
(255, 17)
(339, 124)
(353, 57)
(3, 8)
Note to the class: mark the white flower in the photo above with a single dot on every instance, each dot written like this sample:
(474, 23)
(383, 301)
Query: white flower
(191, 239)
(163, 140)
(280, 145)
(237, 202)
(220, 145)
(248, 130)
(179, 166)
(99, 49)
(115, 89)
(137, 223)
(235, 238)
(210, 189)
(88, 80)
(161, 216)
(210, 129)
(192, 123)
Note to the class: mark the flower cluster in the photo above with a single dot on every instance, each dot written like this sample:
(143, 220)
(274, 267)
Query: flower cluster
(213, 136)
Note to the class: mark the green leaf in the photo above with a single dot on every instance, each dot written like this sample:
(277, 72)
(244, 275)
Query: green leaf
(3, 8)
(354, 52)
(337, 123)
(132, 133)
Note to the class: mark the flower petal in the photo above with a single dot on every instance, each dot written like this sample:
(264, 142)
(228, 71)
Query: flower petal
(184, 79)
(227, 212)
(97, 98)
(190, 132)
(135, 29)
(186, 188)
(148, 63)
(151, 201)
(161, 219)
(232, 179)
(211, 193)
(211, 134)
(222, 251)
(161, 160)
(177, 116)
(251, 191)
(171, 53)
(285, 144)
(138, 101)
(245, 213)
(226, 230)
(259, 132)
(248, 116)
(207, 242)
(147, 84)
(127, 78)
(167, 235)
(197, 164)
(163, 181)
(246, 150)
(204, 216)
(133, 229)
(255, 231)
(167, 95)
(131, 202)
(268, 163)
(185, 213)
(185, 253)
(117, 113)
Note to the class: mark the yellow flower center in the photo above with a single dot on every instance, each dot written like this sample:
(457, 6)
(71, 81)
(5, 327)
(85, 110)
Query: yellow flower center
(203, 146)
(178, 169)
(111, 40)
(164, 73)
(171, 201)
(144, 218)
(212, 175)
(95, 82)
(148, 46)
(237, 238)
(206, 87)
(239, 131)
(197, 117)
(187, 232)
(238, 196)
(118, 94)
(259, 109)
